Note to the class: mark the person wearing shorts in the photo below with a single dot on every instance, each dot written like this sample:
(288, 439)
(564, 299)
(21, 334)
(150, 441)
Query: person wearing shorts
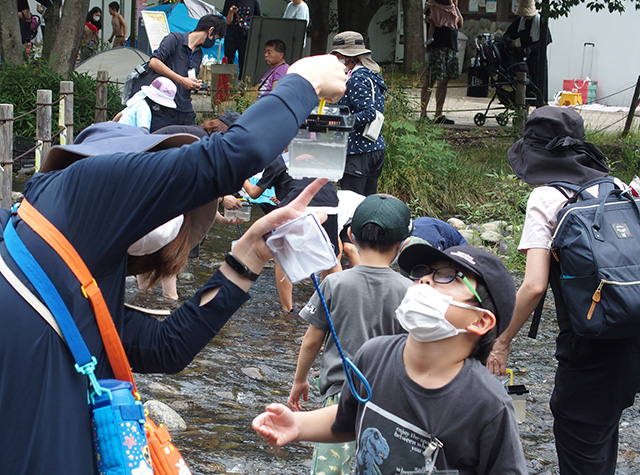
(442, 66)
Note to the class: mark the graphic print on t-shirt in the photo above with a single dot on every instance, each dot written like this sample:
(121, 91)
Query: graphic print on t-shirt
(388, 444)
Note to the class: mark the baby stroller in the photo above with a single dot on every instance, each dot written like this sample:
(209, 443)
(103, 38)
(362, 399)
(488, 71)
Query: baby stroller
(492, 55)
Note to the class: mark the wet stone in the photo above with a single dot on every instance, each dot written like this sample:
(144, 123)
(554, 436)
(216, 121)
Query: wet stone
(160, 413)
(254, 373)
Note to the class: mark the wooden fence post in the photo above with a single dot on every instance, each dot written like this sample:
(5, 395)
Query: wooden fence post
(66, 112)
(6, 144)
(43, 126)
(632, 109)
(101, 97)
(521, 98)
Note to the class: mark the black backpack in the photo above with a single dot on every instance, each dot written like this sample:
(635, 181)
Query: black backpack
(596, 249)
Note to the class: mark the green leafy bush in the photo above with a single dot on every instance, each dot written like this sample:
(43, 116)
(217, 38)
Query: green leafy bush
(19, 86)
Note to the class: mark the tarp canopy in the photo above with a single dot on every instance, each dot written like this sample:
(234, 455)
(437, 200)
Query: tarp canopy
(118, 62)
(183, 18)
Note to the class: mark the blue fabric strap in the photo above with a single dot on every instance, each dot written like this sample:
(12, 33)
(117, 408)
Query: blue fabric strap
(32, 270)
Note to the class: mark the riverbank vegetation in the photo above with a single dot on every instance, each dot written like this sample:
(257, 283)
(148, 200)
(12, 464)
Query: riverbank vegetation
(448, 173)
(19, 86)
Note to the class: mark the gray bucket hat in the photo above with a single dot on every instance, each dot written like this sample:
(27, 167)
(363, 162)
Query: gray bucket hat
(351, 44)
(112, 137)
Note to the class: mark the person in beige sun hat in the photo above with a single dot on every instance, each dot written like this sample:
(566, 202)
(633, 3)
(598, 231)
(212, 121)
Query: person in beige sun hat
(365, 99)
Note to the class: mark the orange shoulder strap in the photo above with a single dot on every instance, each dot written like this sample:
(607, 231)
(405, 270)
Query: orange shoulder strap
(47, 231)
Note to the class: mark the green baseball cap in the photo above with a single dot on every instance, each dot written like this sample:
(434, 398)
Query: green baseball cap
(388, 212)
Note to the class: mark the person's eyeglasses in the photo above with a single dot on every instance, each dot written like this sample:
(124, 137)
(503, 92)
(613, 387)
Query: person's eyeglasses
(443, 275)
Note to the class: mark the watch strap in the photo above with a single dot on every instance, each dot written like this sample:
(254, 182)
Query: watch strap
(240, 268)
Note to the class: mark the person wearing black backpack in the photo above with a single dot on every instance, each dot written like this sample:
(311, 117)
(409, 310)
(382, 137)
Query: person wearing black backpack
(596, 378)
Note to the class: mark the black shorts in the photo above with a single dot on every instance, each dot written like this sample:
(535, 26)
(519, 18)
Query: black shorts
(331, 227)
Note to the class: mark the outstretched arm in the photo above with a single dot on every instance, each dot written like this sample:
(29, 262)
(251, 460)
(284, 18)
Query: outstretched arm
(536, 278)
(252, 190)
(168, 346)
(309, 350)
(279, 426)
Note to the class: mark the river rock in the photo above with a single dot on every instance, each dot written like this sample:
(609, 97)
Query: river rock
(254, 373)
(471, 236)
(505, 246)
(495, 226)
(456, 223)
(491, 236)
(186, 277)
(160, 413)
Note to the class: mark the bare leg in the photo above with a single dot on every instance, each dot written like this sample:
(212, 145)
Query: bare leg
(143, 282)
(285, 289)
(441, 94)
(169, 288)
(425, 95)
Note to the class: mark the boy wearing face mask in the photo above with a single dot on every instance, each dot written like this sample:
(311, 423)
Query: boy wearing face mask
(362, 301)
(430, 389)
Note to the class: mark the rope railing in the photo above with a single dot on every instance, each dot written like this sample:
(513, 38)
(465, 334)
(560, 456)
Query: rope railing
(43, 136)
(22, 155)
(13, 119)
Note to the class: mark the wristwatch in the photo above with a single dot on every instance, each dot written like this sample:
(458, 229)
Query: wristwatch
(240, 268)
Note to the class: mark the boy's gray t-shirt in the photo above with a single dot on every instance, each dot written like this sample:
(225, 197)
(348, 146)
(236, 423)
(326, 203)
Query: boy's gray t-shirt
(362, 302)
(472, 416)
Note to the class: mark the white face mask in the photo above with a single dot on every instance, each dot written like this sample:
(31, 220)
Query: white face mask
(422, 312)
(96, 18)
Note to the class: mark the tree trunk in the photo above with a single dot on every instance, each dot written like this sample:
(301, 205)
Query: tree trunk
(52, 20)
(319, 11)
(68, 37)
(413, 36)
(357, 15)
(10, 38)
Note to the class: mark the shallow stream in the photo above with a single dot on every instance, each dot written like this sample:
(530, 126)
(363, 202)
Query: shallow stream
(252, 361)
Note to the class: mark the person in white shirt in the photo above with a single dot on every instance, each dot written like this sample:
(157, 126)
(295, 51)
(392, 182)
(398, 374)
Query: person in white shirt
(298, 10)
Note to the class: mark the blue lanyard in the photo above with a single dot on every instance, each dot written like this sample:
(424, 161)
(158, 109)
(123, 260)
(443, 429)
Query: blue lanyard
(85, 363)
(347, 365)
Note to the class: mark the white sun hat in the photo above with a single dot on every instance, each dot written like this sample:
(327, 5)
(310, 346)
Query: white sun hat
(161, 91)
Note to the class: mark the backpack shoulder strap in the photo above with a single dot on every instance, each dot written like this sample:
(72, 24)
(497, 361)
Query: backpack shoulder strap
(606, 184)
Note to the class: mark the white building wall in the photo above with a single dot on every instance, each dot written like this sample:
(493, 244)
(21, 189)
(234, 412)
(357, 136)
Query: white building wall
(616, 55)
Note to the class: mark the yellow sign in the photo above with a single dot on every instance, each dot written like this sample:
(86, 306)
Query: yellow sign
(156, 26)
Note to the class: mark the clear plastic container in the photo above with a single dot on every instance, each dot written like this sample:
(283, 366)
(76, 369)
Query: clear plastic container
(243, 213)
(518, 394)
(320, 148)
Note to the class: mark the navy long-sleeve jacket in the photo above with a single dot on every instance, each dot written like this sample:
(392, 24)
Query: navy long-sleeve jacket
(362, 86)
(102, 205)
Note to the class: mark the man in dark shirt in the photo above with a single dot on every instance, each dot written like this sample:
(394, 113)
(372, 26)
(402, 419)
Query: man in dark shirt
(178, 57)
(238, 14)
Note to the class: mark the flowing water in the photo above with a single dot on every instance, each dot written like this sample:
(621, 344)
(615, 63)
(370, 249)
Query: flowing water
(252, 361)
